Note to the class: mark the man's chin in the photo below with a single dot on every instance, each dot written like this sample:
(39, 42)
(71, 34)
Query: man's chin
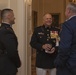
(48, 24)
(13, 23)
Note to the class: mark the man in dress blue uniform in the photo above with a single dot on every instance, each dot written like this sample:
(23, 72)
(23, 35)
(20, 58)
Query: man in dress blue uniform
(9, 58)
(45, 41)
(66, 59)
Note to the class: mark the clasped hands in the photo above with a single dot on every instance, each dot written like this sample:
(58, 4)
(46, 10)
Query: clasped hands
(48, 48)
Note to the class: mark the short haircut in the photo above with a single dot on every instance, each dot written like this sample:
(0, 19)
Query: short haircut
(46, 14)
(4, 11)
(72, 7)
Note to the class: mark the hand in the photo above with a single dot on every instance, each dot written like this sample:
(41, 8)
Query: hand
(47, 47)
(51, 51)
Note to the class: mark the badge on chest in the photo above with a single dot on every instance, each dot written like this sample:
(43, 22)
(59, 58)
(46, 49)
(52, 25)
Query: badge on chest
(53, 34)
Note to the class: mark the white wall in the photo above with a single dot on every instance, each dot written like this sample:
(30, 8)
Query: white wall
(22, 28)
(3, 4)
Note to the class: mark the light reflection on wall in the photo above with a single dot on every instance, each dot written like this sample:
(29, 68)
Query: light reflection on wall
(72, 1)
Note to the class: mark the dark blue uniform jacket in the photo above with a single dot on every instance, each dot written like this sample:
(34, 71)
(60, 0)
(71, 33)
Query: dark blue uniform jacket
(42, 36)
(67, 49)
(9, 58)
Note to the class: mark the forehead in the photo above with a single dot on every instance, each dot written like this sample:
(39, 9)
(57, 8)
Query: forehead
(47, 16)
(11, 13)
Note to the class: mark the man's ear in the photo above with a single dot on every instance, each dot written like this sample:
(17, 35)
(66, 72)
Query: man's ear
(69, 11)
(8, 16)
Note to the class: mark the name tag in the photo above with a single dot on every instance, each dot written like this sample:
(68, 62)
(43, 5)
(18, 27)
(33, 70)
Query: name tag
(40, 33)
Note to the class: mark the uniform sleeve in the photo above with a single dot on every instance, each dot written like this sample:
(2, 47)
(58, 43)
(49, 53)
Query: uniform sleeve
(65, 45)
(34, 41)
(10, 44)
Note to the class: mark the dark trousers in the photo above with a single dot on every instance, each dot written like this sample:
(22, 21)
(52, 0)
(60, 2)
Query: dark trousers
(64, 71)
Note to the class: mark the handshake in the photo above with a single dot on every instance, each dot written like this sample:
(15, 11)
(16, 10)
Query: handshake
(48, 48)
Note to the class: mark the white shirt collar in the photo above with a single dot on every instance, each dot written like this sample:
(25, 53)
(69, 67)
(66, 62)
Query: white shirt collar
(7, 23)
(70, 17)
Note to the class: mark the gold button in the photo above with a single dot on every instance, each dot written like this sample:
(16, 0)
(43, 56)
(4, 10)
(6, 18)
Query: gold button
(47, 34)
(47, 29)
(40, 37)
(47, 39)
